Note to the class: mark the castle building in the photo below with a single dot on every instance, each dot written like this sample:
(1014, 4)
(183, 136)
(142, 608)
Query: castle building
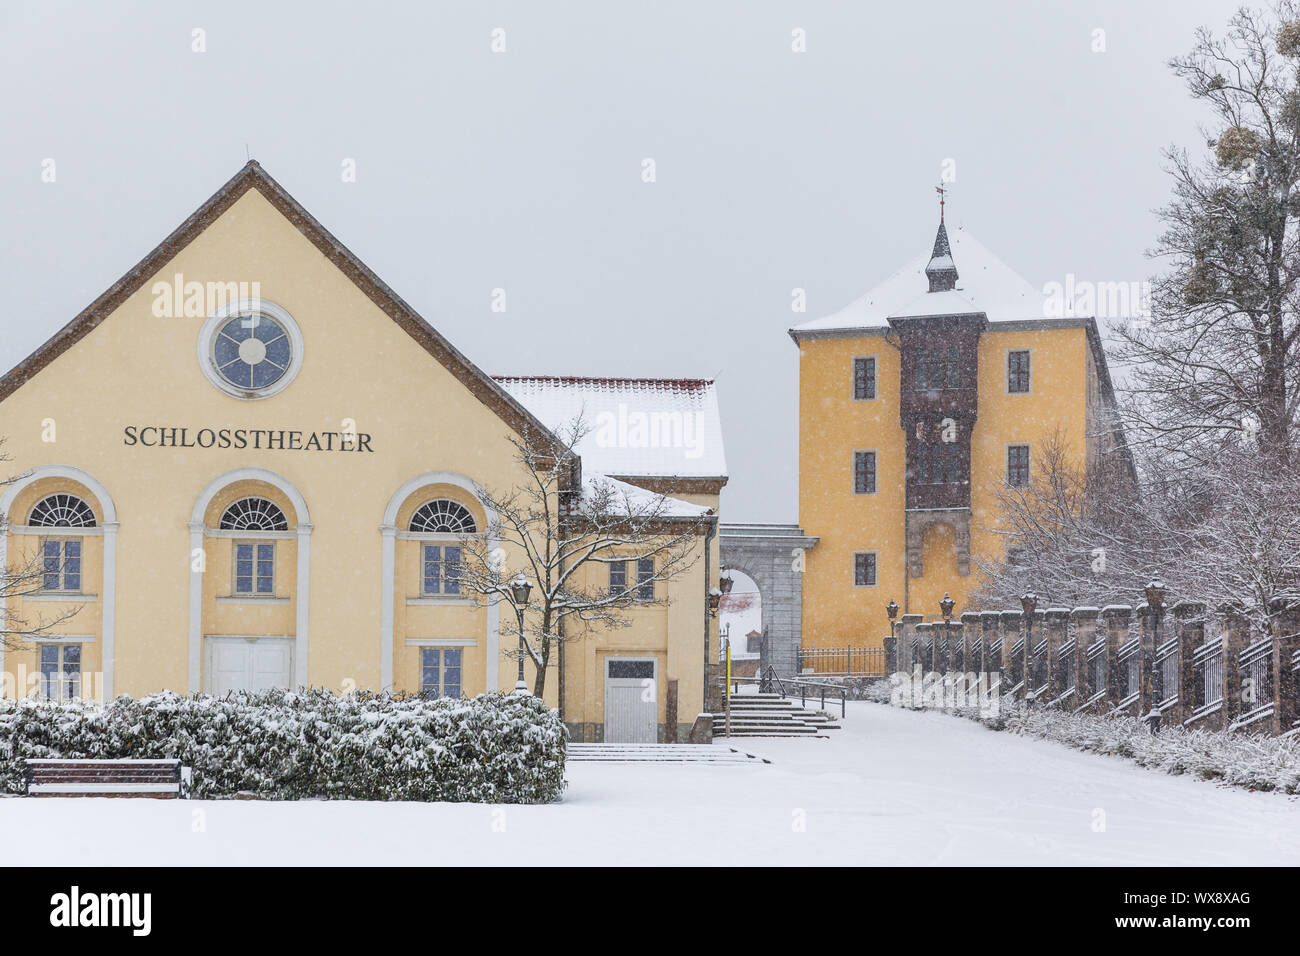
(917, 403)
(250, 464)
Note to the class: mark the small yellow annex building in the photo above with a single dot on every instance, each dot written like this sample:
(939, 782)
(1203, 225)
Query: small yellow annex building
(249, 463)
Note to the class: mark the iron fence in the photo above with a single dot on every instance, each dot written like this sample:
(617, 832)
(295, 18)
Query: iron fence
(843, 661)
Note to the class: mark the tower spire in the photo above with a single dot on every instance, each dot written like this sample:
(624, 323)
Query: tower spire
(941, 270)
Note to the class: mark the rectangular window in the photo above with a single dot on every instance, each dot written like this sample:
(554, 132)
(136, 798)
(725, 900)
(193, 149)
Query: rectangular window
(645, 572)
(864, 569)
(1017, 465)
(440, 569)
(1018, 371)
(255, 568)
(864, 378)
(953, 369)
(864, 472)
(617, 577)
(60, 671)
(922, 370)
(440, 671)
(61, 564)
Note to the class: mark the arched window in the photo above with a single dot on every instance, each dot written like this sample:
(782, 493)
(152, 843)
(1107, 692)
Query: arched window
(253, 514)
(62, 511)
(445, 515)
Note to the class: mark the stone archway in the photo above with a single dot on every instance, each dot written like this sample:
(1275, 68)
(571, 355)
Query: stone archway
(772, 556)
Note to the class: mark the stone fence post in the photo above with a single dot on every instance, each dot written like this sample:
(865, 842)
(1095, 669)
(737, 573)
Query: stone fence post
(1085, 636)
(906, 637)
(1009, 629)
(1056, 622)
(891, 649)
(1234, 630)
(1149, 622)
(989, 630)
(1189, 625)
(925, 646)
(971, 660)
(1286, 641)
(1116, 617)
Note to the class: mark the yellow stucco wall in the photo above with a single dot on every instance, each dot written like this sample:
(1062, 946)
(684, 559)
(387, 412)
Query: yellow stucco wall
(136, 369)
(832, 426)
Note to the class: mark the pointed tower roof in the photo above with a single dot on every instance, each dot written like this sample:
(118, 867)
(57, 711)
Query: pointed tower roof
(941, 270)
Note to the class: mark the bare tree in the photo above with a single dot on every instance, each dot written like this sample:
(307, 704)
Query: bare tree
(1229, 533)
(1218, 356)
(1071, 534)
(558, 527)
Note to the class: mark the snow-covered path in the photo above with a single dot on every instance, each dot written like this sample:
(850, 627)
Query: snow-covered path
(893, 787)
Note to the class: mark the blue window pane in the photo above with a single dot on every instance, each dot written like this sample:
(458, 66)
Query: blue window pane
(72, 549)
(49, 654)
(278, 351)
(451, 657)
(72, 654)
(244, 552)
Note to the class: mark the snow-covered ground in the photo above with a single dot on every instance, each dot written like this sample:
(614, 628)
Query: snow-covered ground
(893, 787)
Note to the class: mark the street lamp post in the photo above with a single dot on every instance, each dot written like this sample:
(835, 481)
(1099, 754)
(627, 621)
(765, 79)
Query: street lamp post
(519, 591)
(892, 610)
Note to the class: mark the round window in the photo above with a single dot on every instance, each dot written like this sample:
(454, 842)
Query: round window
(251, 349)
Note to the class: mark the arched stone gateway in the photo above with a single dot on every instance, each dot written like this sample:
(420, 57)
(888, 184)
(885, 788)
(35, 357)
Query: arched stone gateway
(773, 556)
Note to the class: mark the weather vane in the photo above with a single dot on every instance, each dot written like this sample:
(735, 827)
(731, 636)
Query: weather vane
(942, 192)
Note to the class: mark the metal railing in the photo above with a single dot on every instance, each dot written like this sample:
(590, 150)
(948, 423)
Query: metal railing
(770, 682)
(842, 661)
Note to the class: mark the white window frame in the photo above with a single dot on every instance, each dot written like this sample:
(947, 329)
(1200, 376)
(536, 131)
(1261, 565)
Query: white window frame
(234, 568)
(441, 541)
(63, 540)
(60, 681)
(218, 319)
(441, 651)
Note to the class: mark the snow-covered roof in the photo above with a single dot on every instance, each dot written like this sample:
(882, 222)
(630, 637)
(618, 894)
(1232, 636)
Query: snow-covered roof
(638, 501)
(986, 284)
(638, 427)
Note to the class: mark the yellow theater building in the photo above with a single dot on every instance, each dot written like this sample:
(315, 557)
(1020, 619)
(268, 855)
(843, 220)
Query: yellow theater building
(917, 403)
(271, 491)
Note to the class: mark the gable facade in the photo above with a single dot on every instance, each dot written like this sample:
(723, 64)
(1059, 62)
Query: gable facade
(265, 513)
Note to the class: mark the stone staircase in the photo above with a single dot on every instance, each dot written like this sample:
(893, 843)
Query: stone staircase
(659, 753)
(771, 715)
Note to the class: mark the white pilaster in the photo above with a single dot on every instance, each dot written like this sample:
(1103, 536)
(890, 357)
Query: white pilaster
(196, 609)
(108, 625)
(387, 601)
(303, 605)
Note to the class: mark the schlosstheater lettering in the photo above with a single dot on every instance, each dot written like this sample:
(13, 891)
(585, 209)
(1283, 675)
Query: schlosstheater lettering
(267, 439)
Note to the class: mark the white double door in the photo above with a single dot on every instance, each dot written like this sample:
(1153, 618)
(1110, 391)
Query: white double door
(631, 701)
(248, 663)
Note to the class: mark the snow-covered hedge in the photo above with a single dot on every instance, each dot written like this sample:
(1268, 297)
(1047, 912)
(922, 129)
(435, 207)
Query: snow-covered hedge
(291, 745)
(1244, 760)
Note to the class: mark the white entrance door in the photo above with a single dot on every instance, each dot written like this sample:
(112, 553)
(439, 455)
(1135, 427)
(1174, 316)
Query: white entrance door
(631, 701)
(248, 663)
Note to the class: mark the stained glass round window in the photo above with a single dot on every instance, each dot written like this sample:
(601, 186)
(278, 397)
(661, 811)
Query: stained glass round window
(251, 349)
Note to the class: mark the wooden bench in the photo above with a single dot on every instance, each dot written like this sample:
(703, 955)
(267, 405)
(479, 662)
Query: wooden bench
(160, 779)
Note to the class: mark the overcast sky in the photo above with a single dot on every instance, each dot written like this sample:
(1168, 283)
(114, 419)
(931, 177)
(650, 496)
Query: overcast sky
(522, 170)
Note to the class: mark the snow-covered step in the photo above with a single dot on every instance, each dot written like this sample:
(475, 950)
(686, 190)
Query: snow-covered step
(659, 753)
(770, 715)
